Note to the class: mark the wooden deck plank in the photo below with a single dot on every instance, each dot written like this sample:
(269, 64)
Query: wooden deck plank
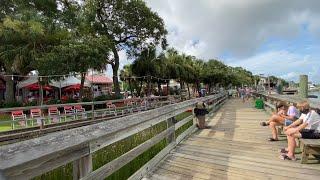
(236, 147)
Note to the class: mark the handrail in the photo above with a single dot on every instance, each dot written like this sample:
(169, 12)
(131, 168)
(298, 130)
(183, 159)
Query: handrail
(4, 110)
(94, 111)
(287, 98)
(34, 157)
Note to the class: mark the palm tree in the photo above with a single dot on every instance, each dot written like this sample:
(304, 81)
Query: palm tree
(126, 74)
(145, 65)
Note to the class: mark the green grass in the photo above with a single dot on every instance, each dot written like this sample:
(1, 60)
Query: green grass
(5, 127)
(183, 128)
(62, 172)
(5, 122)
(182, 116)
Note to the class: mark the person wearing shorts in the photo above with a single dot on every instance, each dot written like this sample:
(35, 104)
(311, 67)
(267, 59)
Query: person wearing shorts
(284, 115)
(307, 127)
(292, 115)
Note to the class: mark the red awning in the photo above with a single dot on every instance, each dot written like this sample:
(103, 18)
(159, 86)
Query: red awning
(36, 87)
(75, 87)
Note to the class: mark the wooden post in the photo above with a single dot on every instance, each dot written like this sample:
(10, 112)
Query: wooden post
(170, 124)
(82, 167)
(92, 110)
(304, 154)
(303, 86)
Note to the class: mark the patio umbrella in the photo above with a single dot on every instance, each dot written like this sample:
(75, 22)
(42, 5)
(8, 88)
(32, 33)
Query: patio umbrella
(75, 87)
(36, 87)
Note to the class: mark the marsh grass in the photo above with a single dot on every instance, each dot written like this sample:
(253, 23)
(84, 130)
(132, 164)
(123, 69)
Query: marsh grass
(115, 150)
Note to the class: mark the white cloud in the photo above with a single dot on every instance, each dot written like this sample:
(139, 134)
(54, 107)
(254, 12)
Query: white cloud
(236, 26)
(240, 28)
(281, 63)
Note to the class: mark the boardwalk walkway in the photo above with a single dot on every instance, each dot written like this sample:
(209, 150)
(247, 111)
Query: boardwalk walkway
(234, 148)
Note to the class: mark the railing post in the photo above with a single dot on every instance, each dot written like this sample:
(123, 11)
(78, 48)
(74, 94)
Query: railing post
(92, 110)
(82, 167)
(170, 125)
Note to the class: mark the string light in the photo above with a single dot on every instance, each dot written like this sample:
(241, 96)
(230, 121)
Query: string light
(146, 77)
(66, 75)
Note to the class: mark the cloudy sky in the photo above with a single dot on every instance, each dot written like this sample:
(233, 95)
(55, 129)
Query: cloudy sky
(278, 37)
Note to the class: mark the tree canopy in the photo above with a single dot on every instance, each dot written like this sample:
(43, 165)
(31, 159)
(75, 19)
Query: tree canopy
(129, 24)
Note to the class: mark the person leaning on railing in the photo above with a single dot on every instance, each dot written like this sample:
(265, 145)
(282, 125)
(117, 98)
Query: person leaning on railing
(200, 111)
(307, 127)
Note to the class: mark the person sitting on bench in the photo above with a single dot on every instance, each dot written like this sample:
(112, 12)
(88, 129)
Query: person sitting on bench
(307, 127)
(284, 116)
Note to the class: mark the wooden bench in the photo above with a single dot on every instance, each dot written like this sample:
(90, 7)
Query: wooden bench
(309, 146)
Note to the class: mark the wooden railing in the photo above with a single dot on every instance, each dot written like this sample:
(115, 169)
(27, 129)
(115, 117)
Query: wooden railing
(31, 158)
(93, 109)
(271, 100)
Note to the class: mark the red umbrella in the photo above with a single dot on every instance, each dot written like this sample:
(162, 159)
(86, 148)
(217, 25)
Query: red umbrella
(36, 87)
(75, 87)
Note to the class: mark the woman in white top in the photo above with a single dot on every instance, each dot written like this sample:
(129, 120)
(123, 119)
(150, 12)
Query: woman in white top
(307, 126)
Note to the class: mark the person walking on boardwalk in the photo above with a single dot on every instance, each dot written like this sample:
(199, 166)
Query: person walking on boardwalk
(242, 94)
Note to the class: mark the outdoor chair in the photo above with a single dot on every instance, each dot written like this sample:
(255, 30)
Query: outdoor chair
(153, 103)
(80, 111)
(143, 105)
(129, 106)
(36, 114)
(69, 112)
(111, 108)
(20, 117)
(54, 114)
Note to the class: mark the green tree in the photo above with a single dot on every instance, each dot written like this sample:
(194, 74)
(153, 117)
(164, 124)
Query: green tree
(126, 74)
(145, 65)
(24, 34)
(214, 73)
(28, 31)
(75, 57)
(129, 24)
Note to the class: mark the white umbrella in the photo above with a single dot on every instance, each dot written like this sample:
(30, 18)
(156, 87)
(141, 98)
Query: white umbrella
(27, 82)
(69, 81)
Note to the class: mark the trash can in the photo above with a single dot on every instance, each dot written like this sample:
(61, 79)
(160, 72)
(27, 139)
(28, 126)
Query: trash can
(259, 104)
(200, 112)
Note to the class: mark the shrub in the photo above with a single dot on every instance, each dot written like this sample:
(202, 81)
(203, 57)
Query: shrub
(13, 104)
(71, 101)
(32, 103)
(53, 101)
(86, 99)
(107, 97)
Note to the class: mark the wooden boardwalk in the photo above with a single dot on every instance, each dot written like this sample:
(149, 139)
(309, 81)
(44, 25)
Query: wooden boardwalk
(236, 147)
